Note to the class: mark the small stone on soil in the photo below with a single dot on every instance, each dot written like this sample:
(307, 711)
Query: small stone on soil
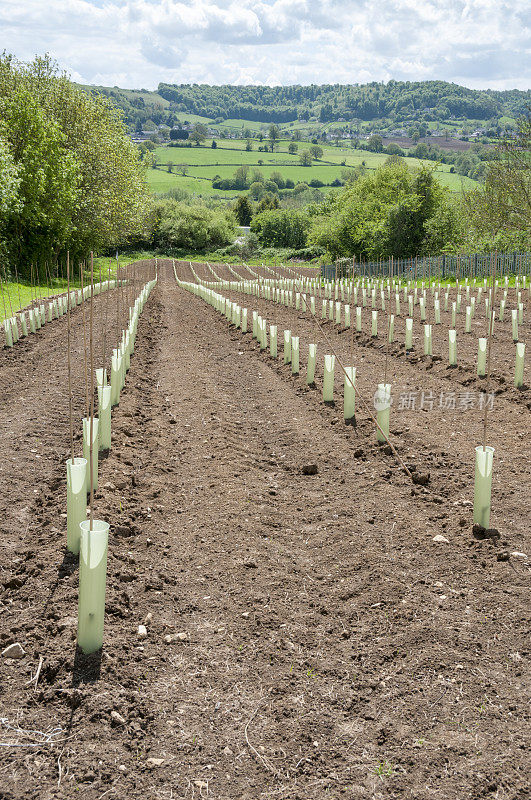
(14, 651)
(142, 632)
(310, 469)
(441, 539)
(154, 762)
(117, 718)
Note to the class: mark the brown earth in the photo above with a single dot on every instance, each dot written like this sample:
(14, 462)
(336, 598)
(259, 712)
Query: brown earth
(321, 644)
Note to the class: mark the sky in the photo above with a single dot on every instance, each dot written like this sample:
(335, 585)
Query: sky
(139, 43)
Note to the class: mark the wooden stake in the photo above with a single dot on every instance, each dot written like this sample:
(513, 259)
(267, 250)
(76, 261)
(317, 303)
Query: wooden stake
(91, 395)
(3, 298)
(18, 287)
(489, 344)
(84, 343)
(68, 357)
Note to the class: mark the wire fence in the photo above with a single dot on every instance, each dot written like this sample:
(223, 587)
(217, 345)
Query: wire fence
(443, 267)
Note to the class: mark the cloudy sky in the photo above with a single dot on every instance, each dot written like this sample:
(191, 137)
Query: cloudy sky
(137, 43)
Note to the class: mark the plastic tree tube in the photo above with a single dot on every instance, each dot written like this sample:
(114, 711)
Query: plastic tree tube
(273, 340)
(383, 409)
(76, 501)
(374, 329)
(482, 357)
(116, 369)
(263, 334)
(358, 318)
(409, 333)
(519, 365)
(328, 378)
(452, 348)
(8, 331)
(502, 309)
(294, 355)
(312, 355)
(427, 341)
(287, 347)
(483, 485)
(92, 584)
(23, 324)
(101, 377)
(347, 316)
(349, 393)
(86, 450)
(104, 417)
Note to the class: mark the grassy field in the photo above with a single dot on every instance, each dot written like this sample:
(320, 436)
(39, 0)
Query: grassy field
(203, 163)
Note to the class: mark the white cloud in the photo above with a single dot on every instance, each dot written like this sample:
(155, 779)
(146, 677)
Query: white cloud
(138, 43)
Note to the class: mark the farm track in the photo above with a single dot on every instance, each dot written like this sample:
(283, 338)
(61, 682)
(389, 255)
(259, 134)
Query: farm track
(331, 650)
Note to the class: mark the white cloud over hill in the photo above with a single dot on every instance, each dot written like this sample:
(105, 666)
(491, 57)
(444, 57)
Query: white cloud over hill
(137, 43)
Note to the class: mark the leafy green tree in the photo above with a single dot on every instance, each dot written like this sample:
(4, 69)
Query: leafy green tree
(316, 151)
(9, 181)
(241, 177)
(79, 170)
(292, 148)
(274, 135)
(271, 187)
(267, 202)
(199, 133)
(277, 178)
(214, 144)
(381, 214)
(504, 205)
(305, 159)
(375, 143)
(192, 227)
(248, 145)
(256, 190)
(47, 178)
(243, 210)
(281, 228)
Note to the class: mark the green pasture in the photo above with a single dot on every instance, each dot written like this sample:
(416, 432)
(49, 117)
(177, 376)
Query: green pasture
(238, 124)
(204, 163)
(183, 116)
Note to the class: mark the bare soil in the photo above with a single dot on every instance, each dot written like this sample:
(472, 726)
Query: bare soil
(307, 638)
